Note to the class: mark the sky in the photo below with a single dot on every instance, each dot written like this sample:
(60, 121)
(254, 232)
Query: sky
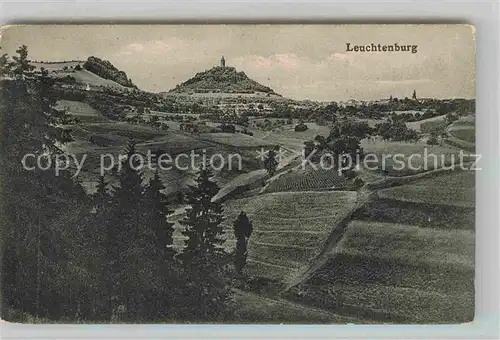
(297, 61)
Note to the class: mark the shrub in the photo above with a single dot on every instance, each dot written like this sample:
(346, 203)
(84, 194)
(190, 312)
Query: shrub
(300, 127)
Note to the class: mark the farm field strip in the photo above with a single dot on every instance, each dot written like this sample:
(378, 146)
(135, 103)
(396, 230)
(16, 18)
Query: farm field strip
(424, 215)
(450, 189)
(293, 257)
(269, 270)
(299, 180)
(409, 244)
(350, 268)
(284, 311)
(396, 303)
(281, 245)
(397, 156)
(463, 197)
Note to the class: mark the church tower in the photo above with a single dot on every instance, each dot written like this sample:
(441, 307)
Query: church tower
(222, 62)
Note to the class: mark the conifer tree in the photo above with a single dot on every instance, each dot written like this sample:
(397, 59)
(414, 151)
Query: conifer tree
(101, 199)
(5, 65)
(242, 228)
(203, 222)
(270, 162)
(203, 257)
(156, 212)
(21, 65)
(44, 211)
(129, 271)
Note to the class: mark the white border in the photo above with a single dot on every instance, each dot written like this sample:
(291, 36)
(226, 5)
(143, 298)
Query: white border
(483, 14)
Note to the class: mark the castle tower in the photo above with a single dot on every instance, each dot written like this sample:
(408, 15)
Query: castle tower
(222, 62)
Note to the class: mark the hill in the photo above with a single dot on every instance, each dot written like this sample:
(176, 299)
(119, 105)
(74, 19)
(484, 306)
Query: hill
(73, 73)
(222, 80)
(106, 70)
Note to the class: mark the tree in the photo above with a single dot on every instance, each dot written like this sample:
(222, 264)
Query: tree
(129, 243)
(320, 142)
(156, 212)
(301, 127)
(309, 147)
(242, 228)
(432, 140)
(203, 257)
(21, 66)
(5, 65)
(43, 218)
(101, 198)
(270, 162)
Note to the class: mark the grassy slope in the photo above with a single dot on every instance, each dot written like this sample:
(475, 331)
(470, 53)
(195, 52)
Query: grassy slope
(403, 261)
(289, 228)
(468, 135)
(455, 189)
(389, 155)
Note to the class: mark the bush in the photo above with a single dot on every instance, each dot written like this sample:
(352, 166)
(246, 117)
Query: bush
(227, 128)
(432, 141)
(300, 127)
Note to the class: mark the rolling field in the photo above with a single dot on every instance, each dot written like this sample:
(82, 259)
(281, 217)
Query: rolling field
(289, 228)
(305, 180)
(424, 124)
(462, 134)
(96, 139)
(403, 159)
(405, 257)
(468, 135)
(289, 138)
(456, 189)
(398, 273)
(83, 112)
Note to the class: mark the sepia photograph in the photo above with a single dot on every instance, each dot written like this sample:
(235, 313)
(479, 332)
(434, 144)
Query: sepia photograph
(238, 174)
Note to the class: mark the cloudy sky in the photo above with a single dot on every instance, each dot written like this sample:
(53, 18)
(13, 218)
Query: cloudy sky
(298, 61)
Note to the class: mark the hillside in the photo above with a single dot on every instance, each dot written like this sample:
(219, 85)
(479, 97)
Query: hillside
(221, 80)
(106, 70)
(72, 73)
(404, 257)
